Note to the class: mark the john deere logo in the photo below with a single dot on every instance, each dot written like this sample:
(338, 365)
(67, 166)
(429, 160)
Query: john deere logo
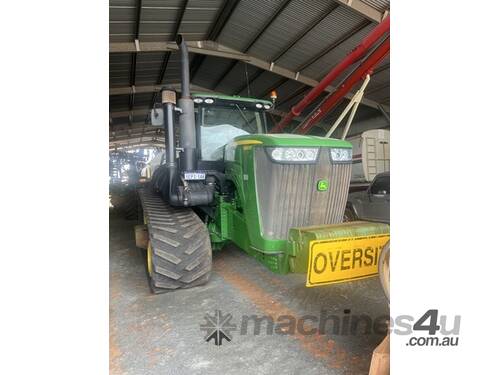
(322, 185)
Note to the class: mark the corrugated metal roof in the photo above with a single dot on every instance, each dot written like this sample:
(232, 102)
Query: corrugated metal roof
(119, 69)
(159, 18)
(323, 65)
(326, 33)
(277, 36)
(310, 53)
(380, 5)
(245, 22)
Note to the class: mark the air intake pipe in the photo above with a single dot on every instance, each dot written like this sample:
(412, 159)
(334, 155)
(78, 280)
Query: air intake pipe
(186, 119)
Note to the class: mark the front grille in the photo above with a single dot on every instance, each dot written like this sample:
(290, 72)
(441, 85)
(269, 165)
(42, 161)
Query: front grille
(288, 197)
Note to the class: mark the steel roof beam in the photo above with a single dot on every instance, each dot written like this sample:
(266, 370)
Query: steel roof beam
(211, 49)
(204, 47)
(136, 137)
(148, 133)
(137, 142)
(364, 9)
(125, 90)
(215, 49)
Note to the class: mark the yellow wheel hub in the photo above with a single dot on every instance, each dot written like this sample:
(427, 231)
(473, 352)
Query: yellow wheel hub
(150, 259)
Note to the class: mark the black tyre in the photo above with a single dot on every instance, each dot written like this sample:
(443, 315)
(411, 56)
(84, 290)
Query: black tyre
(384, 269)
(179, 252)
(349, 214)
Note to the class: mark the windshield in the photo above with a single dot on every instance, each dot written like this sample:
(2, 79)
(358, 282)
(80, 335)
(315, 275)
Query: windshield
(220, 124)
(248, 120)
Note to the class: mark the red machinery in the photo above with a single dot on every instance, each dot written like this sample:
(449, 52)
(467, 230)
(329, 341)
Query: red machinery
(364, 68)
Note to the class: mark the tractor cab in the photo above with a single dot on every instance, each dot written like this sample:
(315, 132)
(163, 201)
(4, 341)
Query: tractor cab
(220, 118)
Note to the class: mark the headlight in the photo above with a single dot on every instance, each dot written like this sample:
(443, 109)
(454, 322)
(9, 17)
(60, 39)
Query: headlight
(267, 106)
(341, 154)
(197, 100)
(258, 105)
(294, 154)
(209, 101)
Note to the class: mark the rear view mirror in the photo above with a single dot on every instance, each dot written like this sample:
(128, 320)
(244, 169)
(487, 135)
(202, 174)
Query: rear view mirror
(156, 117)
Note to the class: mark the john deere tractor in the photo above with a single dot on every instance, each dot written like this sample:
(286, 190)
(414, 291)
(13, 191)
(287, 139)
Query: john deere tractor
(278, 197)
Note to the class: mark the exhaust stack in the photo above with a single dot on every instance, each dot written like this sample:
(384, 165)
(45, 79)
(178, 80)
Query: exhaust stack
(174, 188)
(186, 119)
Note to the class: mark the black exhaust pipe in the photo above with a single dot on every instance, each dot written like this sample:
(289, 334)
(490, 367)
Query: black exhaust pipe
(170, 191)
(174, 188)
(186, 119)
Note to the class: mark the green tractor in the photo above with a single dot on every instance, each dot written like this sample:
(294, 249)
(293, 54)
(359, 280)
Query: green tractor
(279, 197)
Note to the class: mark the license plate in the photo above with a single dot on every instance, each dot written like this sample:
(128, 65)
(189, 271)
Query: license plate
(344, 259)
(194, 176)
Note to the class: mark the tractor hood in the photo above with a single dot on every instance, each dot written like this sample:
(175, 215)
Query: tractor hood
(293, 140)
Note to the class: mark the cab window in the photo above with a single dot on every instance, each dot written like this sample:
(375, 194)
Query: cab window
(221, 124)
(381, 185)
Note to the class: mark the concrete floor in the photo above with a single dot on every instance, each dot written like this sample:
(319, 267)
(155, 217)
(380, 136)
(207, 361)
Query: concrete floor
(160, 334)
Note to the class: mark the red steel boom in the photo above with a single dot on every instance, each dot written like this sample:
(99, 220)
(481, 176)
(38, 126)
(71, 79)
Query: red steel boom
(365, 68)
(351, 58)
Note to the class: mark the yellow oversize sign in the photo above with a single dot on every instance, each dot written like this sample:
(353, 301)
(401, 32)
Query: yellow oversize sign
(344, 259)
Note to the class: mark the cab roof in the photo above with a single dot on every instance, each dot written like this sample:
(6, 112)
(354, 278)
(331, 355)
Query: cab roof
(231, 98)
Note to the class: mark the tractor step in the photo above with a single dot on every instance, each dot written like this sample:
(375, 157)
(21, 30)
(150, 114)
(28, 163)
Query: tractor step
(179, 254)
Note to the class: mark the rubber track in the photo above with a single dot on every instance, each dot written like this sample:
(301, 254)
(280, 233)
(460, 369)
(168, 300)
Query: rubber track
(182, 255)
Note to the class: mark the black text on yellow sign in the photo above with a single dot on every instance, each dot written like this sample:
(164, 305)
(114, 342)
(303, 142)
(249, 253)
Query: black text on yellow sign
(344, 259)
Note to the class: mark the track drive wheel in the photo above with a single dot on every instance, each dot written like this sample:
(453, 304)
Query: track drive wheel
(179, 254)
